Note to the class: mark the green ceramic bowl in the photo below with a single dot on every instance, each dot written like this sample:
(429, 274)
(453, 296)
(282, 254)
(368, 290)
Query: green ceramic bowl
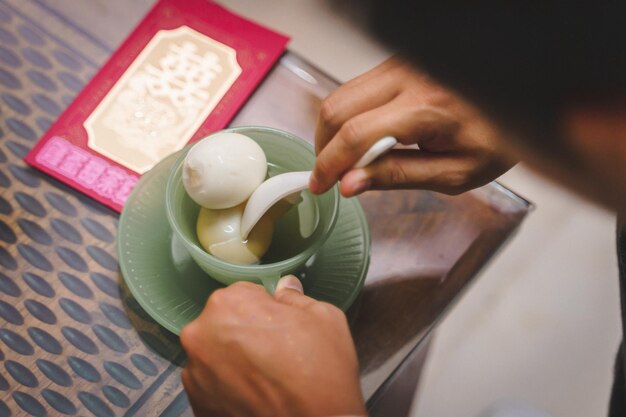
(173, 290)
(284, 152)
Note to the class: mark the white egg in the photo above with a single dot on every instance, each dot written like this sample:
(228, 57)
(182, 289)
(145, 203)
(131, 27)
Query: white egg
(219, 234)
(222, 170)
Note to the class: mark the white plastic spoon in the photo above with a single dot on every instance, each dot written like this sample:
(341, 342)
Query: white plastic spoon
(276, 188)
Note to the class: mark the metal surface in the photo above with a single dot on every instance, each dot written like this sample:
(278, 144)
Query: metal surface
(73, 340)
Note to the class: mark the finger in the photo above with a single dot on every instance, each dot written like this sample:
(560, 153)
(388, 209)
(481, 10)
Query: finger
(242, 289)
(289, 282)
(355, 182)
(289, 291)
(353, 140)
(353, 98)
(239, 293)
(411, 169)
(245, 286)
(431, 128)
(343, 105)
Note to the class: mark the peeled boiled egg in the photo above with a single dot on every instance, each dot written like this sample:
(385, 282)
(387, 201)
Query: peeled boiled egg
(222, 170)
(219, 234)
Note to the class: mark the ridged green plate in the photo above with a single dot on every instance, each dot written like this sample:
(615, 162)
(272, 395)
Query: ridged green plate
(173, 290)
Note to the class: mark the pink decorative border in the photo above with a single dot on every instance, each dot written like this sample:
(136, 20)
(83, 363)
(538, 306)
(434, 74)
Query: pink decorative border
(87, 170)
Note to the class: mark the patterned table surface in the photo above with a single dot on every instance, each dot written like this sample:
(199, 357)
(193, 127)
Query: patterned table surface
(73, 341)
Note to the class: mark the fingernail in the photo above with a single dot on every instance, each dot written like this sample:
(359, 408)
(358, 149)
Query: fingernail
(361, 182)
(290, 282)
(314, 186)
(362, 186)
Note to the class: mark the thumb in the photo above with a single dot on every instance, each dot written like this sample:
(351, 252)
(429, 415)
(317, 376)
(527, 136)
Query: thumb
(289, 291)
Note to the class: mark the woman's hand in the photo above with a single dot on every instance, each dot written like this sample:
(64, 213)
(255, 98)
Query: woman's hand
(452, 147)
(251, 354)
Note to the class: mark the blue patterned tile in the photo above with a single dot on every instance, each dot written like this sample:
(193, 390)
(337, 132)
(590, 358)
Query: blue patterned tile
(5, 206)
(71, 258)
(40, 311)
(16, 342)
(16, 104)
(75, 310)
(8, 286)
(79, 340)
(45, 340)
(17, 149)
(41, 80)
(66, 230)
(115, 396)
(46, 104)
(115, 315)
(103, 258)
(34, 257)
(84, 369)
(95, 404)
(97, 230)
(111, 339)
(30, 204)
(75, 285)
(60, 203)
(6, 233)
(26, 176)
(67, 60)
(38, 284)
(21, 129)
(29, 404)
(36, 58)
(122, 374)
(144, 364)
(59, 402)
(71, 81)
(44, 123)
(9, 80)
(54, 372)
(4, 384)
(106, 284)
(10, 58)
(21, 374)
(7, 260)
(31, 35)
(10, 314)
(34, 231)
(4, 180)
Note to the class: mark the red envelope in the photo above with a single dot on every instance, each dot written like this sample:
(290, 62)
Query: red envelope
(183, 73)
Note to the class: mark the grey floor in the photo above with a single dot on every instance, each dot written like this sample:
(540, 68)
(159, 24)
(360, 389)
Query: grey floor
(540, 327)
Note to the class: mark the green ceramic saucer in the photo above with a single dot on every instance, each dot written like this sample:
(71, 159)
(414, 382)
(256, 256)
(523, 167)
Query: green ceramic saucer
(173, 290)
